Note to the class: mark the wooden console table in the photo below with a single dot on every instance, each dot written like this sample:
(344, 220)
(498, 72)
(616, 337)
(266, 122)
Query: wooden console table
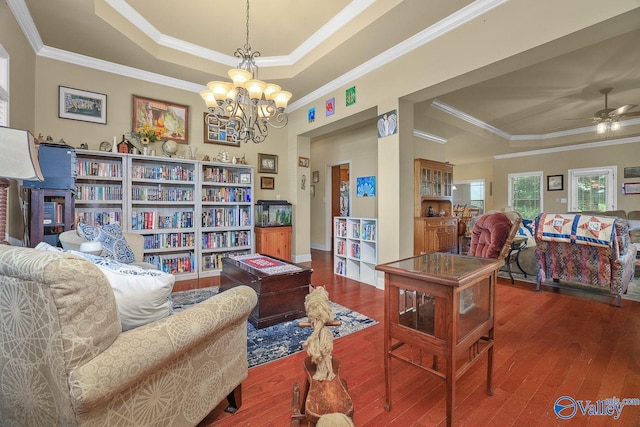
(280, 294)
(444, 305)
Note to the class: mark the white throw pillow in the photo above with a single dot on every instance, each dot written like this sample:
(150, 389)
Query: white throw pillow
(142, 295)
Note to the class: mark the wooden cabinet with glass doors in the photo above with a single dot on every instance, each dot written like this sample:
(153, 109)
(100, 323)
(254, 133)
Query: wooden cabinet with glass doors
(435, 226)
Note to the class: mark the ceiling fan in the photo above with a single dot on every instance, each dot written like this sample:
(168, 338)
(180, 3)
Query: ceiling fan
(609, 118)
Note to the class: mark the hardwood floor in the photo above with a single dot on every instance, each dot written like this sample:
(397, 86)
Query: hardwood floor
(548, 345)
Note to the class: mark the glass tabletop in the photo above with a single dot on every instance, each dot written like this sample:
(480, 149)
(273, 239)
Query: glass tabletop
(442, 265)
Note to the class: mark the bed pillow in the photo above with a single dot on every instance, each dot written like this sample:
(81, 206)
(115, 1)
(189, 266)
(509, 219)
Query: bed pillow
(114, 245)
(142, 295)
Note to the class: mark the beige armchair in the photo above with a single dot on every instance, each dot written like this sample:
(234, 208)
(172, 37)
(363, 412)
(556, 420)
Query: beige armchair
(64, 360)
(71, 241)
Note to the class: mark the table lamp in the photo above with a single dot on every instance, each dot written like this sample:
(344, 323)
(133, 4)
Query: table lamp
(18, 160)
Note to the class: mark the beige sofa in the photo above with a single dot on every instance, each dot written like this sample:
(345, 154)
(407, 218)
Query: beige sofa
(64, 360)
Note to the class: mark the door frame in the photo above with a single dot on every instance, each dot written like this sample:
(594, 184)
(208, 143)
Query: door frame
(327, 190)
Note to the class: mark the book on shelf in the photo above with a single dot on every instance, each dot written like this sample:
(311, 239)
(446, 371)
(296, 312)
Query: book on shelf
(49, 213)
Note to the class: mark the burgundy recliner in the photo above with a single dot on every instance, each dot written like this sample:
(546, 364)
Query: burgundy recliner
(492, 235)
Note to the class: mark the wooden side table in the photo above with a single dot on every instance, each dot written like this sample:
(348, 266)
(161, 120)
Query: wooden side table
(443, 304)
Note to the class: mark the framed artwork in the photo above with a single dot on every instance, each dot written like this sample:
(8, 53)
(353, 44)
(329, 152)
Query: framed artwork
(555, 182)
(267, 163)
(169, 120)
(303, 162)
(350, 96)
(77, 104)
(631, 188)
(315, 176)
(632, 172)
(366, 186)
(267, 182)
(219, 133)
(387, 124)
(245, 178)
(330, 106)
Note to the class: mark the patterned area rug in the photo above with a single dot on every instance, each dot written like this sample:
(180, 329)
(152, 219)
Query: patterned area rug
(277, 341)
(633, 291)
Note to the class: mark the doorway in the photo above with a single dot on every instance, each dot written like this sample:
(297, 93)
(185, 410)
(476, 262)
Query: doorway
(340, 194)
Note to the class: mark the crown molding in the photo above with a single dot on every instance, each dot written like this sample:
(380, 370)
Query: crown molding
(21, 13)
(429, 137)
(438, 29)
(341, 19)
(122, 70)
(466, 14)
(597, 144)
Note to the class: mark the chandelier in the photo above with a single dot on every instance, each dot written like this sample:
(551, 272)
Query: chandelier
(246, 105)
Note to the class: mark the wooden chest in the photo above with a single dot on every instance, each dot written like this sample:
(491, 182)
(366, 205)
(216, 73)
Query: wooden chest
(280, 296)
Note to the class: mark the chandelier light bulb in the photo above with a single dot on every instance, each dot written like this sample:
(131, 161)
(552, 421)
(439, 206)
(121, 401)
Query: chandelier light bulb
(270, 90)
(282, 99)
(255, 88)
(239, 77)
(601, 128)
(615, 125)
(208, 97)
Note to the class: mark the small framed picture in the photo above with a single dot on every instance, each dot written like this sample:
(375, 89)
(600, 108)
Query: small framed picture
(315, 176)
(245, 178)
(76, 104)
(267, 182)
(303, 162)
(631, 188)
(221, 133)
(267, 163)
(555, 182)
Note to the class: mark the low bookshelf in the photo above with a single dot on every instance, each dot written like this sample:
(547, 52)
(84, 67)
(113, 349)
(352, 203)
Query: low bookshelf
(355, 249)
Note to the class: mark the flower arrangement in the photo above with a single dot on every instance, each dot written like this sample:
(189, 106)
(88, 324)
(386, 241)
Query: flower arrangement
(147, 134)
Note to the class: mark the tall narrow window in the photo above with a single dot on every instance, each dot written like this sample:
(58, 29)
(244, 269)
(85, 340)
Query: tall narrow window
(592, 189)
(525, 193)
(4, 87)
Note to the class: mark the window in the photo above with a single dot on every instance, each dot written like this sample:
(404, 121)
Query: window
(469, 193)
(525, 193)
(4, 87)
(592, 189)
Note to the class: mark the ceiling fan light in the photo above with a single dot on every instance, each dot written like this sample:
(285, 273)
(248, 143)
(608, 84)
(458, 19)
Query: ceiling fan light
(615, 125)
(601, 128)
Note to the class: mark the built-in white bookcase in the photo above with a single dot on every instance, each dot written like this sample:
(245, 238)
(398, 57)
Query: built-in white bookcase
(356, 248)
(100, 187)
(191, 213)
(226, 224)
(163, 207)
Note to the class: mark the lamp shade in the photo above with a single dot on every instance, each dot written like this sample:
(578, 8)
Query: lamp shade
(19, 157)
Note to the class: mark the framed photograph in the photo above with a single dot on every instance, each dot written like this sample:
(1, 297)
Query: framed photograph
(303, 162)
(555, 182)
(631, 188)
(267, 163)
(219, 133)
(315, 176)
(267, 182)
(632, 172)
(245, 178)
(169, 120)
(76, 104)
